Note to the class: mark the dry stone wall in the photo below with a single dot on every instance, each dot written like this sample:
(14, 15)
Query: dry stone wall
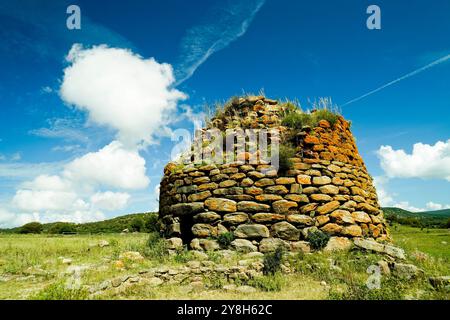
(327, 188)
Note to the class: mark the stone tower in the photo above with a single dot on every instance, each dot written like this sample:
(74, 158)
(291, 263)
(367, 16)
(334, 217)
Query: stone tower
(326, 187)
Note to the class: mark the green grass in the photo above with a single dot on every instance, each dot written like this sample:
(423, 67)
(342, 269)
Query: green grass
(31, 268)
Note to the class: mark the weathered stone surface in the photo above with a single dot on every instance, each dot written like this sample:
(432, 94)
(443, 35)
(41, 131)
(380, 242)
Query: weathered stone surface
(227, 183)
(247, 182)
(174, 243)
(310, 207)
(264, 182)
(285, 230)
(271, 244)
(342, 217)
(320, 197)
(251, 206)
(302, 198)
(328, 207)
(207, 186)
(361, 217)
(283, 206)
(251, 231)
(304, 179)
(268, 197)
(369, 244)
(279, 189)
(338, 244)
(300, 246)
(331, 228)
(300, 219)
(406, 271)
(201, 196)
(203, 230)
(321, 220)
(353, 230)
(285, 180)
(186, 208)
(243, 245)
(394, 251)
(267, 217)
(187, 189)
(368, 208)
(235, 218)
(228, 191)
(321, 180)
(206, 217)
(254, 191)
(440, 282)
(329, 189)
(296, 188)
(220, 205)
(209, 244)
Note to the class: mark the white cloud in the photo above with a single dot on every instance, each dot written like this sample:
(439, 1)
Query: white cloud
(224, 25)
(121, 90)
(437, 206)
(110, 200)
(426, 161)
(42, 200)
(113, 166)
(387, 200)
(16, 156)
(67, 148)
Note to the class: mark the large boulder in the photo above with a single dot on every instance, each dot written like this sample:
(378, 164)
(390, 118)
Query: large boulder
(285, 230)
(243, 245)
(251, 231)
(338, 244)
(220, 205)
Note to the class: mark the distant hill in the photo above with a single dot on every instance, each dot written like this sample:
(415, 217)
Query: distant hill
(141, 222)
(436, 219)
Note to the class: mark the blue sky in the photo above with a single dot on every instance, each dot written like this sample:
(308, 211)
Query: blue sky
(49, 140)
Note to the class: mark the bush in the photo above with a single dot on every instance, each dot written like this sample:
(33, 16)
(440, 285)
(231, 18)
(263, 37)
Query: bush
(136, 225)
(156, 247)
(318, 239)
(32, 227)
(272, 261)
(151, 222)
(268, 283)
(286, 152)
(59, 291)
(225, 239)
(296, 120)
(325, 114)
(61, 228)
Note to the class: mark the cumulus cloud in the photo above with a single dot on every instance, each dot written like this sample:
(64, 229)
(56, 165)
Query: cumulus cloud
(426, 161)
(112, 166)
(386, 199)
(110, 200)
(121, 90)
(437, 206)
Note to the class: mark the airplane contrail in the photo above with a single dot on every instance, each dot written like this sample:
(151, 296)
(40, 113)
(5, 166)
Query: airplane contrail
(430, 65)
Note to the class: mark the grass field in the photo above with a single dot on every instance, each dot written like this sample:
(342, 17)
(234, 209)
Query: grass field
(36, 267)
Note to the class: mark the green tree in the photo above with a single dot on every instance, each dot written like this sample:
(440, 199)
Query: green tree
(137, 225)
(32, 227)
(61, 228)
(151, 222)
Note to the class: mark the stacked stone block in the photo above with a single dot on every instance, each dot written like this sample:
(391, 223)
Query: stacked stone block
(327, 188)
